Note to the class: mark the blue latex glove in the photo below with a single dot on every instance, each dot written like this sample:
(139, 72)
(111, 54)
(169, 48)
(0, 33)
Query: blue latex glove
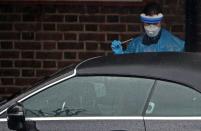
(117, 47)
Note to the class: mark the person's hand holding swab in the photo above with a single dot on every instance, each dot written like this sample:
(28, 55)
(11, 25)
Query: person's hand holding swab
(117, 46)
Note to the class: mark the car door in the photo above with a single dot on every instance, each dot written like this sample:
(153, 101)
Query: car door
(90, 103)
(173, 107)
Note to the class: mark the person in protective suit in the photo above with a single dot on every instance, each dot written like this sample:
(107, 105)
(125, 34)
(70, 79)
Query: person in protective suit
(154, 38)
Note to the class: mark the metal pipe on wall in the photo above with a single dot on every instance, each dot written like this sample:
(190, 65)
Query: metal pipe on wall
(191, 22)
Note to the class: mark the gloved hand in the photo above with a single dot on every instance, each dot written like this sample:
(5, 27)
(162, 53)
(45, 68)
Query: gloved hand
(117, 47)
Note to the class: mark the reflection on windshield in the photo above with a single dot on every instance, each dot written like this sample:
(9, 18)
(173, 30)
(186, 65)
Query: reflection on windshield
(58, 112)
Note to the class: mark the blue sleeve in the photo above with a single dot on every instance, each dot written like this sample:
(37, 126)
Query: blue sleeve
(174, 43)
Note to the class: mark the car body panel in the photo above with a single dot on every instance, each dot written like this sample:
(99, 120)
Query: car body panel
(85, 124)
(95, 125)
(173, 124)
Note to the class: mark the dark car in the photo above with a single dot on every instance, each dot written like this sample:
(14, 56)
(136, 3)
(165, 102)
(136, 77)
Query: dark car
(134, 92)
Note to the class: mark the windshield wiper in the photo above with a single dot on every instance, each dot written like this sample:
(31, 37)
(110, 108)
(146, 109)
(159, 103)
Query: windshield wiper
(68, 111)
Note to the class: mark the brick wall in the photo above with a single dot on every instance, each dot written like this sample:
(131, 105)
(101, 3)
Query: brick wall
(38, 39)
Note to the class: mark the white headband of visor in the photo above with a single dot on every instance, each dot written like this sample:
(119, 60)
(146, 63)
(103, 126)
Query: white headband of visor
(151, 19)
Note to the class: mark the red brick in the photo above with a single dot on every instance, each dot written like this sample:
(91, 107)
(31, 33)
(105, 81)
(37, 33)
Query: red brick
(2, 91)
(49, 36)
(6, 63)
(91, 45)
(70, 27)
(6, 8)
(91, 27)
(85, 55)
(28, 73)
(13, 90)
(69, 55)
(25, 81)
(53, 18)
(49, 64)
(44, 72)
(130, 19)
(71, 18)
(7, 81)
(177, 28)
(10, 17)
(49, 55)
(49, 27)
(127, 36)
(27, 26)
(27, 45)
(31, 17)
(113, 18)
(113, 27)
(134, 28)
(174, 19)
(27, 55)
(167, 2)
(28, 35)
(71, 8)
(9, 54)
(70, 36)
(49, 8)
(105, 46)
(92, 9)
(62, 64)
(111, 37)
(28, 63)
(136, 10)
(9, 36)
(6, 45)
(49, 45)
(92, 37)
(70, 45)
(114, 10)
(92, 19)
(5, 27)
(9, 72)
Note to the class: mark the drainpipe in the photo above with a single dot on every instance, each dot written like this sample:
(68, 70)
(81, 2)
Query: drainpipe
(191, 22)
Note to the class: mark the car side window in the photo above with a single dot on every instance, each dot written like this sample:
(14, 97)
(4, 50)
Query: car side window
(171, 99)
(91, 96)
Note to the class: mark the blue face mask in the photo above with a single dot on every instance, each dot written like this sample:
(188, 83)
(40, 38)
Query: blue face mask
(152, 30)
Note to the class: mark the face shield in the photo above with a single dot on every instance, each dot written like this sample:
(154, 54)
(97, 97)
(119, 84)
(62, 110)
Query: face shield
(151, 29)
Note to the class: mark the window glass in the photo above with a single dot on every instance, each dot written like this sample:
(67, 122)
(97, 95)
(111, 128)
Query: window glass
(170, 99)
(91, 96)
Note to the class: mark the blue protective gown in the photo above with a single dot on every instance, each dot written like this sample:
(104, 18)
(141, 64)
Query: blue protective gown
(166, 43)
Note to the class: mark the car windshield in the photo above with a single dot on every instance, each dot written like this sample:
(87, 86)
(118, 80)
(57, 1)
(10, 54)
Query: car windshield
(60, 72)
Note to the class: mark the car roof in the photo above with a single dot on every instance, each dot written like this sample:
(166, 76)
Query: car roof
(184, 68)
